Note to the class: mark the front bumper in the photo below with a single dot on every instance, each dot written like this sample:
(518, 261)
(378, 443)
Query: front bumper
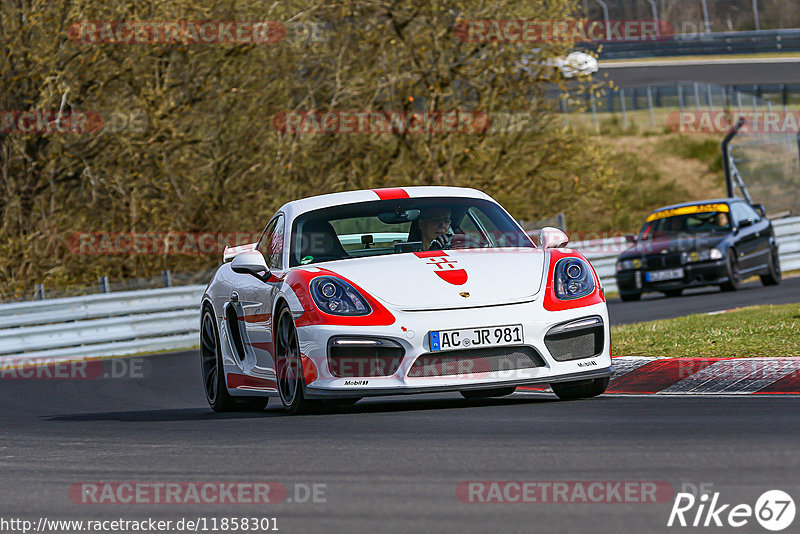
(411, 332)
(698, 274)
(320, 393)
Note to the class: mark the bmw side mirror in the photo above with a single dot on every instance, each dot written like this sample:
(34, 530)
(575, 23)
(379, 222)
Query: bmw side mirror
(550, 237)
(631, 238)
(745, 223)
(251, 262)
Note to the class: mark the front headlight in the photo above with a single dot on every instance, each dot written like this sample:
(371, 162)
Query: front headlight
(572, 279)
(337, 297)
(702, 255)
(627, 265)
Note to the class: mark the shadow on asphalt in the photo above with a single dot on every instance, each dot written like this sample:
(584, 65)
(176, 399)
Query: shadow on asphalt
(275, 410)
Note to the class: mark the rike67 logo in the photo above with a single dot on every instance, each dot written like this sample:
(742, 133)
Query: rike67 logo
(774, 510)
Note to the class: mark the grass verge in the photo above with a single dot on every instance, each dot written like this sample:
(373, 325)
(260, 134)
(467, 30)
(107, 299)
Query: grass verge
(763, 331)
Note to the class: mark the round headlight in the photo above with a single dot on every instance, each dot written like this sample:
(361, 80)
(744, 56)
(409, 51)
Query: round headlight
(574, 271)
(328, 290)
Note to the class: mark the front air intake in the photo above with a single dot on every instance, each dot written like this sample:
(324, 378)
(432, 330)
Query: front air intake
(468, 362)
(351, 357)
(576, 340)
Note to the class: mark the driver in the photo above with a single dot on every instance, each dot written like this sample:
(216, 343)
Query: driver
(434, 225)
(722, 220)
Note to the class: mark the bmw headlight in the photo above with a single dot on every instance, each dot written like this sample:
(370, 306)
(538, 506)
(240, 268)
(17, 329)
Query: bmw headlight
(337, 297)
(702, 255)
(627, 265)
(572, 279)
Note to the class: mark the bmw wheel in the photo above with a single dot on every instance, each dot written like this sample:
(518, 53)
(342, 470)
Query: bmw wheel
(773, 275)
(734, 278)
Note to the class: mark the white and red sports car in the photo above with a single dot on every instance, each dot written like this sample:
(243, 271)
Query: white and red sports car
(346, 296)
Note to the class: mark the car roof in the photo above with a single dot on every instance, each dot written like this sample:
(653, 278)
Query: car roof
(697, 202)
(303, 205)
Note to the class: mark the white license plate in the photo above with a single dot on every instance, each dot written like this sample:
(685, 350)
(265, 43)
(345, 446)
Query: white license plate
(467, 338)
(660, 276)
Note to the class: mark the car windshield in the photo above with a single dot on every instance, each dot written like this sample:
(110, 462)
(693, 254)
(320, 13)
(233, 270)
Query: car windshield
(396, 226)
(690, 223)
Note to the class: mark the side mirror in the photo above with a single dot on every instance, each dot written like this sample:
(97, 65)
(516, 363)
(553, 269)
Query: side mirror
(550, 237)
(251, 262)
(760, 209)
(631, 238)
(744, 223)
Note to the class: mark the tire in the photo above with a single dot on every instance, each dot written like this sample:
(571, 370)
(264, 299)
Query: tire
(289, 366)
(487, 393)
(774, 275)
(734, 279)
(581, 389)
(214, 385)
(630, 297)
(673, 293)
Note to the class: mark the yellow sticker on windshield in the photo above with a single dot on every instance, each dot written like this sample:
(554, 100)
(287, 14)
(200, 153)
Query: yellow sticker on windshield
(697, 208)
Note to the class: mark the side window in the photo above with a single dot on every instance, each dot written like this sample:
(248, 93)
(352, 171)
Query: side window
(750, 213)
(271, 243)
(739, 212)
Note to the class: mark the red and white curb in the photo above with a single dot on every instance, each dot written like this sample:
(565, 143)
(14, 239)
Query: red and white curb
(639, 375)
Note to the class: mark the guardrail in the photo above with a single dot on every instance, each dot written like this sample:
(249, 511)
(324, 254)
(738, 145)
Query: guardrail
(602, 253)
(100, 325)
(169, 319)
(719, 43)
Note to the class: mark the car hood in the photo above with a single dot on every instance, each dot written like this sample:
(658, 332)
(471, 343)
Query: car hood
(685, 243)
(447, 279)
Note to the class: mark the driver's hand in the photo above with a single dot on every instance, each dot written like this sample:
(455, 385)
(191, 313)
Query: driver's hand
(441, 242)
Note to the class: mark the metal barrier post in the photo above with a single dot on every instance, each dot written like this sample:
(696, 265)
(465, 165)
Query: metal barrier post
(650, 105)
(624, 111)
(594, 114)
(103, 281)
(697, 97)
(166, 278)
(38, 292)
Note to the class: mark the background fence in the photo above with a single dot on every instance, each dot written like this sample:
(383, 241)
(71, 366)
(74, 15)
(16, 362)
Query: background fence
(169, 319)
(695, 44)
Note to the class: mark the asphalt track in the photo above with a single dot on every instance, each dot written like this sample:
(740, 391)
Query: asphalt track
(702, 300)
(391, 464)
(761, 71)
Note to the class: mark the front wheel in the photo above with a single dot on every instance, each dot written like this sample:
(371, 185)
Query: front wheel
(773, 276)
(486, 393)
(580, 389)
(734, 279)
(214, 376)
(289, 366)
